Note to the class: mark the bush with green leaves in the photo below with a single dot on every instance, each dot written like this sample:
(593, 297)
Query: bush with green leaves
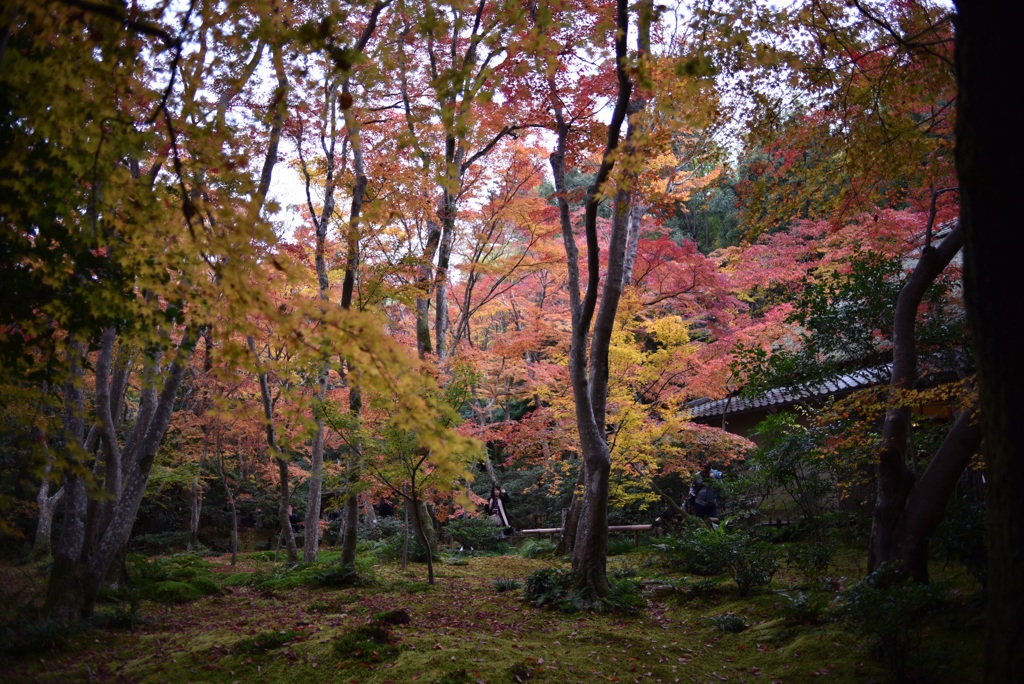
(960, 537)
(697, 548)
(812, 558)
(479, 534)
(728, 623)
(558, 589)
(788, 462)
(620, 545)
(715, 550)
(535, 548)
(803, 607)
(37, 635)
(503, 584)
(323, 574)
(382, 528)
(548, 587)
(751, 563)
(179, 578)
(389, 549)
(265, 641)
(891, 610)
(370, 643)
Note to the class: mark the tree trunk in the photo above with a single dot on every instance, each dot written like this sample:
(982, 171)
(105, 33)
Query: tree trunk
(589, 372)
(64, 588)
(405, 529)
(590, 553)
(350, 522)
(117, 532)
(420, 523)
(926, 502)
(231, 502)
(988, 138)
(894, 481)
(46, 506)
(282, 465)
(195, 495)
(311, 541)
(567, 541)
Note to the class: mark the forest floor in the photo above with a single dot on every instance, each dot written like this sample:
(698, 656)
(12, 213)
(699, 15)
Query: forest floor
(465, 628)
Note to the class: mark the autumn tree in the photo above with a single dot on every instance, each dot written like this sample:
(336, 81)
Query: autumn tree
(874, 80)
(144, 221)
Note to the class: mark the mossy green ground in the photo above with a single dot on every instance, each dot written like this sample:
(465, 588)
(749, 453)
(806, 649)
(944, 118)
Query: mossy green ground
(463, 630)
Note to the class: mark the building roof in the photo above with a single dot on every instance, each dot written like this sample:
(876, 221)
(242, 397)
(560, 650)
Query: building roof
(787, 396)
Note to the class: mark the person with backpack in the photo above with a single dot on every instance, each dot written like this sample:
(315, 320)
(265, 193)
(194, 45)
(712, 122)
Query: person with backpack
(703, 493)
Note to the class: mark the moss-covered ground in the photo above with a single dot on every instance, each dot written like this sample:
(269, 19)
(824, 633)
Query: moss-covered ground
(270, 624)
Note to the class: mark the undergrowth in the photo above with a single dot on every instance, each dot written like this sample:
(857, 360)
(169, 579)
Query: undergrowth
(558, 589)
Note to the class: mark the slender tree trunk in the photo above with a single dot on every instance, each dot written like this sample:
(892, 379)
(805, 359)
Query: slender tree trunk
(368, 513)
(420, 524)
(282, 465)
(195, 494)
(64, 588)
(311, 541)
(405, 529)
(231, 502)
(441, 275)
(350, 522)
(46, 506)
(567, 541)
(988, 138)
(590, 389)
(311, 545)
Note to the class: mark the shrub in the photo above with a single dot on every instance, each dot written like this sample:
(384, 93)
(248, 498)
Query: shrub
(367, 643)
(752, 564)
(390, 548)
(960, 537)
(474, 533)
(383, 529)
(728, 623)
(265, 641)
(336, 576)
(535, 548)
(548, 587)
(811, 558)
(618, 546)
(698, 549)
(37, 635)
(126, 618)
(706, 550)
(175, 579)
(505, 584)
(393, 617)
(803, 607)
(159, 542)
(623, 597)
(891, 611)
(557, 588)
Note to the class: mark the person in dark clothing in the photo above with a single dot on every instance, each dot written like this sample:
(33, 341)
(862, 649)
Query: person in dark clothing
(495, 509)
(703, 494)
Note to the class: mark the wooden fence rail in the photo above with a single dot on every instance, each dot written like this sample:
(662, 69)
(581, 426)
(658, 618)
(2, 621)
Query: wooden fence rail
(552, 531)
